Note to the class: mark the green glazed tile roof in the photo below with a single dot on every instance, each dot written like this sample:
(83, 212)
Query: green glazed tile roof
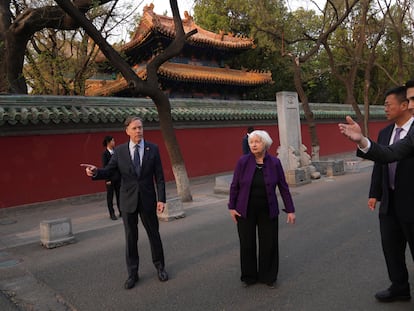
(38, 110)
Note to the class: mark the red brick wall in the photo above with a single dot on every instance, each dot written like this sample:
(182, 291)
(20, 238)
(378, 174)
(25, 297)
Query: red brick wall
(46, 167)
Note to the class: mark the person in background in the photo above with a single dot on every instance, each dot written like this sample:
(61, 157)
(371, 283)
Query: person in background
(390, 184)
(113, 184)
(245, 142)
(253, 205)
(142, 193)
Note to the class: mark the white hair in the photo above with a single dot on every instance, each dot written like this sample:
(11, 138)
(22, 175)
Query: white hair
(264, 137)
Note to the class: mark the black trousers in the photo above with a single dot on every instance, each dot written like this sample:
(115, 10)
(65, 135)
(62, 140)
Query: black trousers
(395, 234)
(111, 189)
(150, 221)
(265, 268)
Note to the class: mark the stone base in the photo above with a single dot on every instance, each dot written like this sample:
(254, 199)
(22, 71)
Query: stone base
(173, 210)
(57, 232)
(352, 165)
(330, 168)
(222, 185)
(298, 177)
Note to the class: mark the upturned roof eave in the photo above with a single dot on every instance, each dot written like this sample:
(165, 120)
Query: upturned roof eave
(152, 23)
(184, 73)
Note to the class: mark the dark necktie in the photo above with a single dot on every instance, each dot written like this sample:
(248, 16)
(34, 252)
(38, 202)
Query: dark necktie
(393, 166)
(137, 160)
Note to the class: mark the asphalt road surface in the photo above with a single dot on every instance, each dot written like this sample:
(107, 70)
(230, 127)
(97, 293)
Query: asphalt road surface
(331, 259)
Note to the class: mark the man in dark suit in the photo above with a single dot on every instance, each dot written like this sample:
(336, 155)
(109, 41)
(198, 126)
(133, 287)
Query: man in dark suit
(142, 192)
(377, 152)
(113, 184)
(390, 184)
(245, 141)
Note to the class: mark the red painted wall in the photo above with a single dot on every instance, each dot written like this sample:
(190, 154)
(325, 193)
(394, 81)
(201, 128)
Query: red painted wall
(46, 167)
(331, 140)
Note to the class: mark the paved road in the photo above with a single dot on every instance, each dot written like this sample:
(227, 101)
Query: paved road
(330, 260)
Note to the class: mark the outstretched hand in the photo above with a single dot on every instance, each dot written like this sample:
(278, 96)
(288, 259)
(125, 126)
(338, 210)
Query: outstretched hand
(352, 130)
(90, 169)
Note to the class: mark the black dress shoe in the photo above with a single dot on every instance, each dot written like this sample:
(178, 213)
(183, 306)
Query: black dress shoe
(389, 296)
(246, 284)
(113, 217)
(270, 284)
(130, 282)
(162, 274)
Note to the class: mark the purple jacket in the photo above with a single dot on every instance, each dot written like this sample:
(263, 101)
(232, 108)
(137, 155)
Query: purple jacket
(273, 176)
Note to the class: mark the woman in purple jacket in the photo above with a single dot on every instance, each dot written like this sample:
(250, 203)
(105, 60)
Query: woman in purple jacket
(253, 204)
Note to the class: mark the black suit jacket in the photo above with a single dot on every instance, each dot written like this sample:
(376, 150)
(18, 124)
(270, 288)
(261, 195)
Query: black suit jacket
(404, 191)
(149, 186)
(395, 152)
(245, 145)
(106, 157)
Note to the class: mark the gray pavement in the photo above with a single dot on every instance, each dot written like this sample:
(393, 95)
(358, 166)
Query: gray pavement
(330, 260)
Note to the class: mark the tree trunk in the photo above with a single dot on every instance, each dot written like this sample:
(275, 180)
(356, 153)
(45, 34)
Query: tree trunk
(5, 20)
(367, 77)
(297, 76)
(348, 79)
(14, 58)
(148, 87)
(177, 163)
(367, 84)
(15, 35)
(350, 100)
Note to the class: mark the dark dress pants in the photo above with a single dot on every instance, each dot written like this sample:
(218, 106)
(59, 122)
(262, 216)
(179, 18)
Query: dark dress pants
(150, 222)
(267, 235)
(394, 236)
(111, 189)
(109, 198)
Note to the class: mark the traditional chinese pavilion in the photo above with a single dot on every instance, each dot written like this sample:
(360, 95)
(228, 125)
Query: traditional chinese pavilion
(199, 72)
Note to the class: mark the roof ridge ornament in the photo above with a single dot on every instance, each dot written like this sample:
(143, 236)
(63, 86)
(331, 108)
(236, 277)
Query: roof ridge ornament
(149, 8)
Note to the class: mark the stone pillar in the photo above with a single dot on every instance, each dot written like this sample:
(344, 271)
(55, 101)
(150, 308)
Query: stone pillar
(289, 128)
(56, 232)
(291, 152)
(173, 210)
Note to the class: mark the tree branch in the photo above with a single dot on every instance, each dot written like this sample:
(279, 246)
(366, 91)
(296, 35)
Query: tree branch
(135, 83)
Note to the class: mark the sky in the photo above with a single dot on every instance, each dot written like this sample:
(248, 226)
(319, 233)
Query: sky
(160, 6)
(183, 5)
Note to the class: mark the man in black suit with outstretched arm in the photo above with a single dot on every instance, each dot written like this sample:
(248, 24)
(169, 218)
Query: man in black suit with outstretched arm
(391, 186)
(400, 151)
(142, 193)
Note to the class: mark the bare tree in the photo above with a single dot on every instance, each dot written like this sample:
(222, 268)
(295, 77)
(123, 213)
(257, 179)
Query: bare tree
(398, 14)
(150, 86)
(71, 15)
(374, 30)
(300, 55)
(353, 45)
(328, 27)
(16, 31)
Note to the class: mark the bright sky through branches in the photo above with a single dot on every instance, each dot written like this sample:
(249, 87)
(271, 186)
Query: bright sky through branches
(160, 6)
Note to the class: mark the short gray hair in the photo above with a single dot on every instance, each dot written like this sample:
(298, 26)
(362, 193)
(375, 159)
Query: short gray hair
(131, 119)
(264, 137)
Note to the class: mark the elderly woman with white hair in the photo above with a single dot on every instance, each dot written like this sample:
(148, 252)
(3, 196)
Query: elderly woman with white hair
(253, 205)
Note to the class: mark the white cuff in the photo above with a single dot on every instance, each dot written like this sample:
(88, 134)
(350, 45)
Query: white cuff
(368, 145)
